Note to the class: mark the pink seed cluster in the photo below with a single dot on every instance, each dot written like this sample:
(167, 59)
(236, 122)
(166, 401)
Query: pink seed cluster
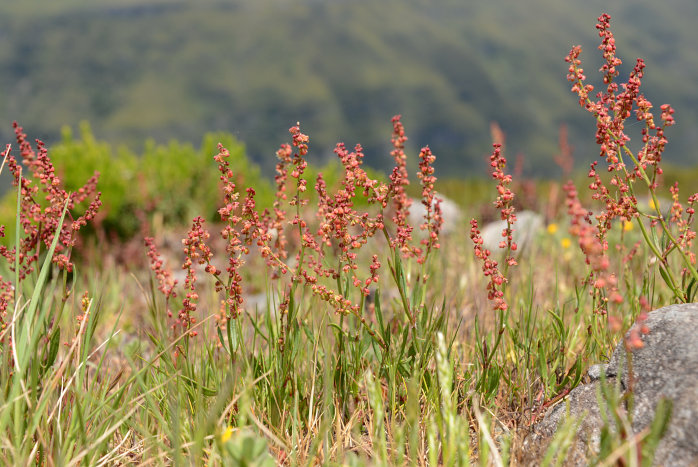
(594, 250)
(40, 215)
(612, 106)
(327, 247)
(684, 224)
(505, 205)
(166, 283)
(432, 219)
(399, 179)
(42, 201)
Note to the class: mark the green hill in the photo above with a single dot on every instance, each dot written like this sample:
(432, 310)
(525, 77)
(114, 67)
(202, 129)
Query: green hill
(176, 69)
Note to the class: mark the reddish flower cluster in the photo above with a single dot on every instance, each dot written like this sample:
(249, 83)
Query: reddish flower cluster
(341, 229)
(346, 231)
(341, 225)
(166, 283)
(684, 224)
(612, 107)
(40, 219)
(7, 292)
(240, 221)
(287, 159)
(6, 287)
(196, 251)
(300, 142)
(504, 203)
(276, 224)
(432, 219)
(594, 251)
(399, 179)
(633, 340)
(490, 269)
(40, 216)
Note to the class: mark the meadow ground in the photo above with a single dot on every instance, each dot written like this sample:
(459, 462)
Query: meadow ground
(326, 329)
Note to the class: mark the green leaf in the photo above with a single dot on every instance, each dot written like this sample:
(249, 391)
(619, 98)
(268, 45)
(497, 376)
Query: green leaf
(196, 384)
(221, 339)
(384, 330)
(53, 347)
(691, 290)
(26, 344)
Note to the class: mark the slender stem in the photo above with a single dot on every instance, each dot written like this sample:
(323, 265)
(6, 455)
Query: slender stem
(500, 318)
(393, 271)
(370, 331)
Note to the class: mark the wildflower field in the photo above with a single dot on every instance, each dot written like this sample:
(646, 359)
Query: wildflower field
(312, 320)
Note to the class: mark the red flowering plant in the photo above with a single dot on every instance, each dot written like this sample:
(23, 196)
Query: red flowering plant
(505, 205)
(612, 107)
(40, 215)
(497, 278)
(45, 216)
(47, 223)
(325, 253)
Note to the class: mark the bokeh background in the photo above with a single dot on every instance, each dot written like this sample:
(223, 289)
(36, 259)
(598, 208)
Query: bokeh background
(172, 69)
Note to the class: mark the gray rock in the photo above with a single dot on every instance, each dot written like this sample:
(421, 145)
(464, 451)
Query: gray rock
(666, 366)
(525, 229)
(583, 405)
(450, 212)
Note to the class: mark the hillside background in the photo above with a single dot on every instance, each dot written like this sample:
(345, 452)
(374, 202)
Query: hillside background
(176, 70)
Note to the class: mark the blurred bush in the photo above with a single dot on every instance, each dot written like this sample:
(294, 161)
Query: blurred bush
(166, 184)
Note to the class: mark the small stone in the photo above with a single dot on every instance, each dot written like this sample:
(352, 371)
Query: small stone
(595, 371)
(450, 212)
(528, 224)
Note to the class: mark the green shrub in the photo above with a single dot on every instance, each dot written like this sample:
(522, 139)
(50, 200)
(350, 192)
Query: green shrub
(170, 183)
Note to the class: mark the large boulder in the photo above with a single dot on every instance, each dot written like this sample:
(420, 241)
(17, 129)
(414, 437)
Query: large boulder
(525, 229)
(450, 213)
(666, 366)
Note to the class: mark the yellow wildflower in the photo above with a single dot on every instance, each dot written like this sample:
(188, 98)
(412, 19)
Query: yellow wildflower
(552, 228)
(627, 226)
(225, 436)
(566, 243)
